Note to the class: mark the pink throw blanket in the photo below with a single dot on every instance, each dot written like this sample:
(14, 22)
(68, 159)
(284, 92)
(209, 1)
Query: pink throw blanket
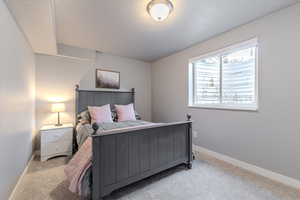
(78, 165)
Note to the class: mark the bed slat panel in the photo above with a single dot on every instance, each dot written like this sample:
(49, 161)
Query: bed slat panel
(108, 146)
(154, 162)
(134, 154)
(122, 156)
(180, 142)
(145, 151)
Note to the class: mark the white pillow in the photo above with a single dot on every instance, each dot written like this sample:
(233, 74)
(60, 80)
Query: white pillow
(100, 114)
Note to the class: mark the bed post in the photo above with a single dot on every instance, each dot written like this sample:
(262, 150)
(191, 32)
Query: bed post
(95, 128)
(133, 95)
(190, 142)
(76, 103)
(75, 145)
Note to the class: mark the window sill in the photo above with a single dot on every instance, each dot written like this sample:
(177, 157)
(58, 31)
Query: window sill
(226, 107)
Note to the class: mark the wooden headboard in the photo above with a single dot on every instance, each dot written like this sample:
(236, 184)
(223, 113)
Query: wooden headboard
(85, 98)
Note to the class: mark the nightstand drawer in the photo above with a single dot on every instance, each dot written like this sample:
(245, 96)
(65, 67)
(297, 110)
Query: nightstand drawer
(57, 148)
(49, 136)
(56, 141)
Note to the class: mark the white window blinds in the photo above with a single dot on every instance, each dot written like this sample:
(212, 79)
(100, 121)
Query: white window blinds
(226, 78)
(207, 81)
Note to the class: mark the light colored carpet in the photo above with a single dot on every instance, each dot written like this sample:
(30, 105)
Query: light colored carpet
(209, 179)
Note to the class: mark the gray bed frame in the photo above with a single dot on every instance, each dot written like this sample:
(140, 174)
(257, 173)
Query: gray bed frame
(124, 157)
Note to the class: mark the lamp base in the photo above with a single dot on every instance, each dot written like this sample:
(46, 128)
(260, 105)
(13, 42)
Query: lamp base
(58, 120)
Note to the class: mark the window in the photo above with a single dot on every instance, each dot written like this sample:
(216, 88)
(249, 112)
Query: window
(226, 78)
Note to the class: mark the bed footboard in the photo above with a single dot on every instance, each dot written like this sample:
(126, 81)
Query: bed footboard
(125, 157)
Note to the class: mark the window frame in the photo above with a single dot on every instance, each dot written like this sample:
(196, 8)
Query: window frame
(232, 48)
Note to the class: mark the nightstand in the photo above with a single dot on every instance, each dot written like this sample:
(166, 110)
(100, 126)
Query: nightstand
(56, 141)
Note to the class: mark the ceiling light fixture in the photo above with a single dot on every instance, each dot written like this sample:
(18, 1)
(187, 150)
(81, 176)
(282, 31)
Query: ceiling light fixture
(160, 9)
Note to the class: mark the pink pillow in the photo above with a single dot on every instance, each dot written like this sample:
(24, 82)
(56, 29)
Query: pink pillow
(100, 114)
(125, 112)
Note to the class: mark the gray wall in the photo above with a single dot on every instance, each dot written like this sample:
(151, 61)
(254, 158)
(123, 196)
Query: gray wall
(268, 138)
(56, 76)
(17, 102)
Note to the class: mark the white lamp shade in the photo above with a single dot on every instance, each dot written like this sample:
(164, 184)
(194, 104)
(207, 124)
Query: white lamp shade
(58, 107)
(160, 9)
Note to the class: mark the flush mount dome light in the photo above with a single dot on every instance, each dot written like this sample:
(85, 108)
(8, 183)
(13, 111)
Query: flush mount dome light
(159, 9)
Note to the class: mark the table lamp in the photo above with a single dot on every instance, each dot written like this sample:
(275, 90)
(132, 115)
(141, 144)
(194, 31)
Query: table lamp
(58, 107)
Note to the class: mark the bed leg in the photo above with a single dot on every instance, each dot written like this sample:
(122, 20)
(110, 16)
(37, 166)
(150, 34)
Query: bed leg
(189, 165)
(190, 143)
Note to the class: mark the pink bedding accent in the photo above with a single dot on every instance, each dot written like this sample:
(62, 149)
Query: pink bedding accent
(125, 112)
(100, 114)
(78, 165)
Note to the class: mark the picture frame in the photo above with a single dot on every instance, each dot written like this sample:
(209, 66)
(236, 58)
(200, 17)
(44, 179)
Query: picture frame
(107, 79)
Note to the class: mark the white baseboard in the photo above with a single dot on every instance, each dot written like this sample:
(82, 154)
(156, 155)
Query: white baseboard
(12, 195)
(252, 168)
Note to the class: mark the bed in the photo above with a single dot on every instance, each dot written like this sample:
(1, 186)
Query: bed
(124, 156)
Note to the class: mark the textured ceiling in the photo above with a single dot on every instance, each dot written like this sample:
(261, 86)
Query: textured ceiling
(123, 27)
